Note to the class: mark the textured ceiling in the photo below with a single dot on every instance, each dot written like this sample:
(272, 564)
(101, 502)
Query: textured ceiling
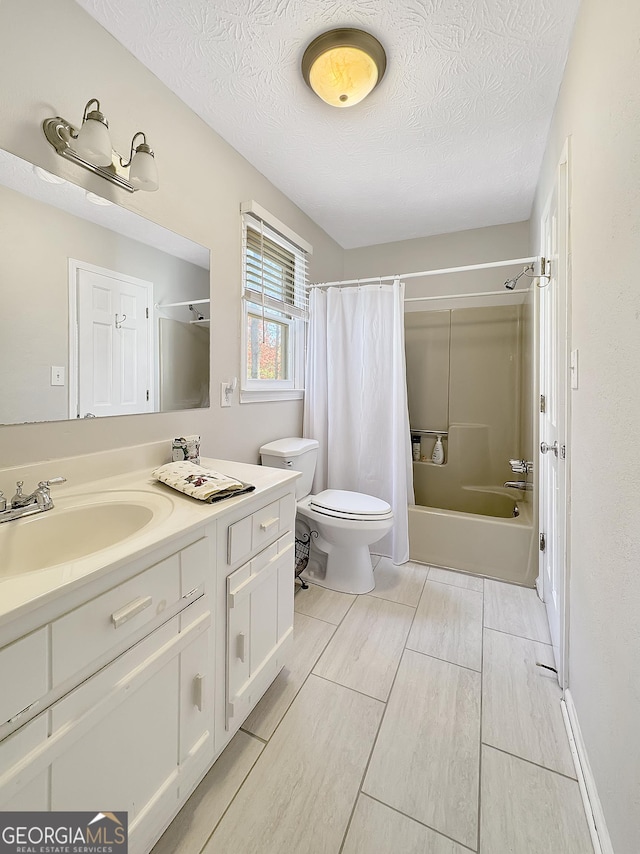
(451, 139)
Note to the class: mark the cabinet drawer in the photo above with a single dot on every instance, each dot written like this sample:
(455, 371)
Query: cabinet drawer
(24, 666)
(259, 529)
(89, 632)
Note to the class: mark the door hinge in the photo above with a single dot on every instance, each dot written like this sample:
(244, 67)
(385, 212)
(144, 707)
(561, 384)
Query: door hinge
(147, 313)
(563, 452)
(543, 543)
(543, 403)
(147, 394)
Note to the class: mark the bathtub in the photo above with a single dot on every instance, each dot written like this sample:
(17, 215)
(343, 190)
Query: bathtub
(475, 531)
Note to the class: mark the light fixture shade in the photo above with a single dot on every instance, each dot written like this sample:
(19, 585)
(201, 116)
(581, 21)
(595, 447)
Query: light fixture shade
(143, 172)
(343, 66)
(94, 142)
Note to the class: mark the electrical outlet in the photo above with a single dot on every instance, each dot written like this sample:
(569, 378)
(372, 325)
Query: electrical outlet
(57, 375)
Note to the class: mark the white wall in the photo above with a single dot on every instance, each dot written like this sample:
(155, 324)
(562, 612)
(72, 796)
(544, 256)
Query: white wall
(475, 246)
(53, 58)
(599, 108)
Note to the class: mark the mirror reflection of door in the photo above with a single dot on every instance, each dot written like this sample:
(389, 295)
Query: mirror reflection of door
(114, 365)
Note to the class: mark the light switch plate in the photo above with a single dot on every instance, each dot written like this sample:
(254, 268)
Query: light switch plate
(225, 398)
(573, 368)
(57, 375)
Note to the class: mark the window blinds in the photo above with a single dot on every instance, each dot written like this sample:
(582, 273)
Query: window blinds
(275, 270)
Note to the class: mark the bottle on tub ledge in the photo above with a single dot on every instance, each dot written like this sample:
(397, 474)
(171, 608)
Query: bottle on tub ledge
(415, 446)
(437, 455)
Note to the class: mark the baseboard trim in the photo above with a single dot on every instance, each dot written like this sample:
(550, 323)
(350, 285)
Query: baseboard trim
(592, 806)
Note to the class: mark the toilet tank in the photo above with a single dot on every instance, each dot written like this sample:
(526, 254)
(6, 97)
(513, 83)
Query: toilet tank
(296, 455)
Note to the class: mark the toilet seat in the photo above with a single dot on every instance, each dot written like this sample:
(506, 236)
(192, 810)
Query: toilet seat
(343, 504)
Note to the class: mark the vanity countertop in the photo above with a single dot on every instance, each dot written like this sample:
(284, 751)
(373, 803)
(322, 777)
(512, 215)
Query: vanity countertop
(22, 593)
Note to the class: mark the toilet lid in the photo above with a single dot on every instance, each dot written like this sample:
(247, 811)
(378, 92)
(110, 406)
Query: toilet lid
(340, 501)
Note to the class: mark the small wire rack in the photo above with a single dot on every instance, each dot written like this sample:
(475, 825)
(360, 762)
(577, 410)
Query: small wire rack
(303, 545)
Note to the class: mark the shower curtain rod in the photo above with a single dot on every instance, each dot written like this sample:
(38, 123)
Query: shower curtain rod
(476, 294)
(468, 267)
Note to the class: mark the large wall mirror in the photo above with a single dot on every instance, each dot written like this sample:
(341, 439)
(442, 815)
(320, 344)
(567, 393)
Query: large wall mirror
(102, 312)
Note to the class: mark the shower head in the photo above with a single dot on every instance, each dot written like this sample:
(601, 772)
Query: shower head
(511, 283)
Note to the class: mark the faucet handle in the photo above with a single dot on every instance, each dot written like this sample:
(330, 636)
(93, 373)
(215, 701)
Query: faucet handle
(521, 466)
(3, 502)
(54, 480)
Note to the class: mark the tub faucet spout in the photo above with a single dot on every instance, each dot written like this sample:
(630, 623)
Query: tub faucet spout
(524, 485)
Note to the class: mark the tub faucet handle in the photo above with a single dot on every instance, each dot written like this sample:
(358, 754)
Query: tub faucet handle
(521, 466)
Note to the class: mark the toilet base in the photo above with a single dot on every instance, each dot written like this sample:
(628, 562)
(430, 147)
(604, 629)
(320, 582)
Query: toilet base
(349, 570)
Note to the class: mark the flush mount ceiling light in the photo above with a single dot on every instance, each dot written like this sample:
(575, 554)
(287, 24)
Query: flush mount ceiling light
(343, 66)
(90, 147)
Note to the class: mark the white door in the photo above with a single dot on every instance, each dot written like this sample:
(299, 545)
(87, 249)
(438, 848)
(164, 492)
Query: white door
(553, 483)
(114, 364)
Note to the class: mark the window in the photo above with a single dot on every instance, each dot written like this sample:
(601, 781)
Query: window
(274, 309)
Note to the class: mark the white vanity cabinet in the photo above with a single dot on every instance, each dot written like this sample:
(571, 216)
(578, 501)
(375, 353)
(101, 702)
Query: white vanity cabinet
(126, 690)
(139, 731)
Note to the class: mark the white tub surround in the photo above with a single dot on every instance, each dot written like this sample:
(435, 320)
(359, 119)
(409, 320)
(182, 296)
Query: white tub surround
(157, 646)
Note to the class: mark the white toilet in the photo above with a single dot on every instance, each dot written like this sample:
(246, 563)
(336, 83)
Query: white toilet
(347, 523)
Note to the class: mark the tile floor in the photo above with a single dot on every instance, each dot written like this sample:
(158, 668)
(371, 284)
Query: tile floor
(412, 720)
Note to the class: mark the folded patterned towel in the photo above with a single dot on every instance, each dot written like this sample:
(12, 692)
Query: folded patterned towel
(200, 482)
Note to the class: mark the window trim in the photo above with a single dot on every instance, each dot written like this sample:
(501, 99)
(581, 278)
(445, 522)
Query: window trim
(262, 390)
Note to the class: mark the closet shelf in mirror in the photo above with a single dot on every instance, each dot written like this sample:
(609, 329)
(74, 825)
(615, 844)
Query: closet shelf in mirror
(199, 317)
(186, 303)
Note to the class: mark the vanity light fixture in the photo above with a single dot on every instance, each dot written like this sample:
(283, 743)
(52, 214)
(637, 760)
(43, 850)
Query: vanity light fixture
(343, 66)
(90, 147)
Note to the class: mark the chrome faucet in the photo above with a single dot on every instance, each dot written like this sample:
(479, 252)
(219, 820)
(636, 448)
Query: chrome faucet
(519, 484)
(521, 466)
(25, 505)
(524, 467)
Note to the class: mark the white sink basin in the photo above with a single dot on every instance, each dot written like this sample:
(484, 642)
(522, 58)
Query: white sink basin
(77, 527)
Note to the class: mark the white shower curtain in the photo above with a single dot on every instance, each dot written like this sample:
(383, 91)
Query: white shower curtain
(356, 399)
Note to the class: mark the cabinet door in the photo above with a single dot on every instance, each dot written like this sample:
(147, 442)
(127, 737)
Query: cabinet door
(138, 730)
(126, 759)
(196, 747)
(259, 627)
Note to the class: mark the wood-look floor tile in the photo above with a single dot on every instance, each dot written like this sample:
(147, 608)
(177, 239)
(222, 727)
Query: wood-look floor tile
(529, 810)
(377, 828)
(516, 610)
(448, 625)
(323, 604)
(310, 637)
(194, 824)
(458, 579)
(365, 651)
(521, 702)
(399, 583)
(426, 759)
(301, 792)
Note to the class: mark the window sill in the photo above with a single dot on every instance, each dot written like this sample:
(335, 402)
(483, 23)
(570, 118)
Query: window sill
(260, 396)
